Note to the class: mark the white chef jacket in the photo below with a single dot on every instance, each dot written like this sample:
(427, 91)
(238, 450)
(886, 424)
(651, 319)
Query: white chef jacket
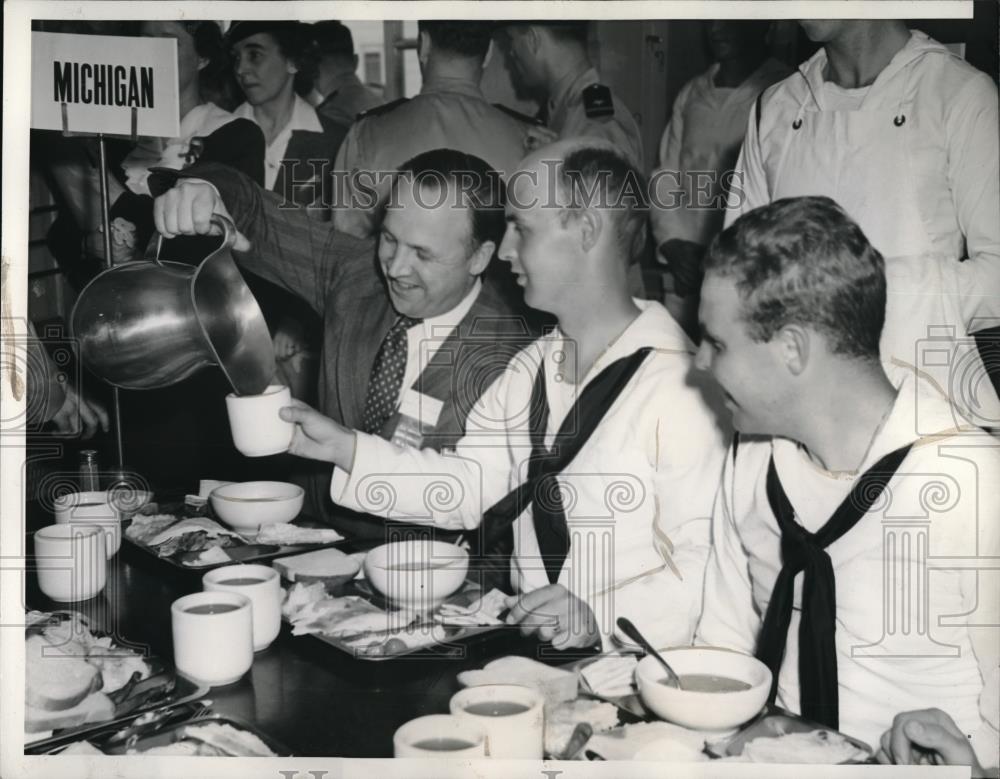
(925, 191)
(699, 146)
(906, 574)
(643, 482)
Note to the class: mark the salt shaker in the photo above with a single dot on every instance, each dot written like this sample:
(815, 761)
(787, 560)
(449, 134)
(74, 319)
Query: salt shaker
(89, 469)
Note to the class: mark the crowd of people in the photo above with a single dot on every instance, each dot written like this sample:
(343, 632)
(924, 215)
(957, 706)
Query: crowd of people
(745, 463)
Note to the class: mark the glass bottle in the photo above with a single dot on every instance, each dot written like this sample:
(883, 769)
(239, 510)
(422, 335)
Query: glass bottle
(89, 470)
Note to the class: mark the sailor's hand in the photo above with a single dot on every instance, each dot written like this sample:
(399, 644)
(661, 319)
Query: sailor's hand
(556, 615)
(927, 737)
(188, 208)
(318, 437)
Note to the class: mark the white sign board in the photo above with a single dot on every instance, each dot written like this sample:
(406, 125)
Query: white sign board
(99, 79)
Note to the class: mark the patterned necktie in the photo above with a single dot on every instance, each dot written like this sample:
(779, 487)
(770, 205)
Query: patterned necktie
(387, 376)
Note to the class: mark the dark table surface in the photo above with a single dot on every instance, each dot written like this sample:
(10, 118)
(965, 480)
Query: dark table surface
(310, 696)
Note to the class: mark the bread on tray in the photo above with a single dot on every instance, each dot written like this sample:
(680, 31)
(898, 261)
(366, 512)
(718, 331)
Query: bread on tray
(556, 684)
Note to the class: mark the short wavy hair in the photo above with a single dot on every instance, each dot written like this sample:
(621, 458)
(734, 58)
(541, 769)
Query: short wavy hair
(598, 176)
(804, 261)
(464, 38)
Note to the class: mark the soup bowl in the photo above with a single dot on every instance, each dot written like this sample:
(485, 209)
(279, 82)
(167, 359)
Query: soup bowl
(713, 711)
(249, 505)
(417, 574)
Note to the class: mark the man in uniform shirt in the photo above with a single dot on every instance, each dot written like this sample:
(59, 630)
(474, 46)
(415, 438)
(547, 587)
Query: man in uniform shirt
(341, 95)
(551, 57)
(595, 449)
(894, 534)
(450, 112)
(405, 352)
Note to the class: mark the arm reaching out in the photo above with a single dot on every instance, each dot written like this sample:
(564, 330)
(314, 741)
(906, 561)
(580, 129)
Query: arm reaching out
(318, 437)
(927, 737)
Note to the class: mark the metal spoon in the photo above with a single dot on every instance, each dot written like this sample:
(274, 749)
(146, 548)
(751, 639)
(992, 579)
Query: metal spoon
(632, 632)
(578, 740)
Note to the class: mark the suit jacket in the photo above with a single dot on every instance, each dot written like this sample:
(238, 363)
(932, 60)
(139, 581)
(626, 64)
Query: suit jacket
(337, 275)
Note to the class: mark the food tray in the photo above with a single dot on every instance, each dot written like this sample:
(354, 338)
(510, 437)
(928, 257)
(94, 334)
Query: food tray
(773, 721)
(163, 687)
(455, 636)
(165, 729)
(250, 553)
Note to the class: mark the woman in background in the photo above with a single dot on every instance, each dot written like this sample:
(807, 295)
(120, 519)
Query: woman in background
(275, 64)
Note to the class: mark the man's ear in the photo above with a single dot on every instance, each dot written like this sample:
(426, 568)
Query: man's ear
(202, 63)
(481, 257)
(794, 344)
(355, 60)
(592, 224)
(533, 37)
(423, 46)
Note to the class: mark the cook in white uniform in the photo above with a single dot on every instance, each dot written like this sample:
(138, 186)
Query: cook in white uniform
(698, 152)
(903, 134)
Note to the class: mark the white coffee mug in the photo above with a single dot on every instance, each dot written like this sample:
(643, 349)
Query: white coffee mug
(71, 561)
(213, 637)
(440, 736)
(262, 585)
(512, 716)
(92, 508)
(257, 429)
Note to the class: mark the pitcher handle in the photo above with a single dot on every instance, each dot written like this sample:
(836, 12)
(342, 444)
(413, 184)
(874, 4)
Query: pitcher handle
(228, 236)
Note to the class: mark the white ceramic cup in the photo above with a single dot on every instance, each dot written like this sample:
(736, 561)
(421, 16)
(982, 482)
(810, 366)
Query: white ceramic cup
(213, 637)
(92, 508)
(511, 714)
(440, 736)
(257, 429)
(262, 585)
(71, 561)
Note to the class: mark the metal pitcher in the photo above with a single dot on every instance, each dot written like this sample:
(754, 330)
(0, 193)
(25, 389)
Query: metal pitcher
(145, 325)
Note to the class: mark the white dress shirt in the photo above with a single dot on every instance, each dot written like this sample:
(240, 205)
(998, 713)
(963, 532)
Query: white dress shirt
(424, 339)
(303, 118)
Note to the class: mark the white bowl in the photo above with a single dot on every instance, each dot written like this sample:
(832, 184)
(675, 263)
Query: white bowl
(704, 710)
(417, 574)
(250, 505)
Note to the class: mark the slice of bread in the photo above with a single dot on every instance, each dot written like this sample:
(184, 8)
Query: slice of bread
(96, 707)
(556, 684)
(321, 565)
(55, 682)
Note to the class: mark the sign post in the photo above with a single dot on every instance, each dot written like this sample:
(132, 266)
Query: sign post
(98, 85)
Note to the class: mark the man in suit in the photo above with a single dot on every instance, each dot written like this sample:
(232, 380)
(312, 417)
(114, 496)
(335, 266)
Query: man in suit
(406, 351)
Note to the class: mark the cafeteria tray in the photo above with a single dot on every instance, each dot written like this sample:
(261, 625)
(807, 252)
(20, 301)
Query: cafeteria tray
(163, 687)
(456, 637)
(165, 729)
(773, 721)
(248, 553)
